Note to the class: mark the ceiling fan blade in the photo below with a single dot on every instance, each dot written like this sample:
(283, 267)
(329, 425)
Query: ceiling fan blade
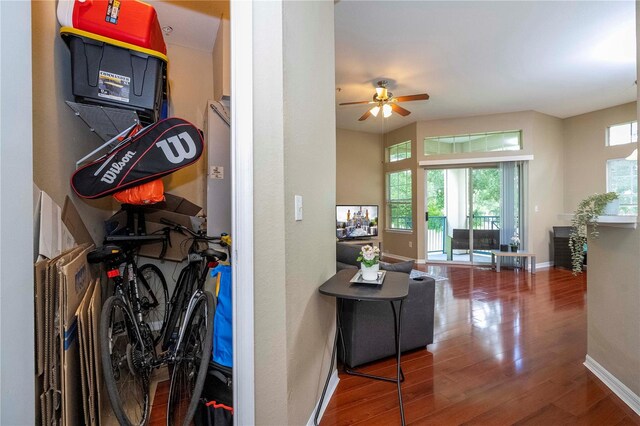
(420, 97)
(365, 115)
(355, 103)
(397, 108)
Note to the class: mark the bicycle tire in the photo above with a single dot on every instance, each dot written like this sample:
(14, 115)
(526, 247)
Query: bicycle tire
(183, 291)
(154, 298)
(123, 365)
(192, 361)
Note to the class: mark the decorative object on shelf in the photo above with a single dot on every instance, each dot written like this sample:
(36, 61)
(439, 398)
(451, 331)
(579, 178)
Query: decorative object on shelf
(504, 247)
(515, 242)
(586, 214)
(369, 259)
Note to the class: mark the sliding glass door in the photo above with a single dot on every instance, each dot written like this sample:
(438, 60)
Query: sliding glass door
(471, 211)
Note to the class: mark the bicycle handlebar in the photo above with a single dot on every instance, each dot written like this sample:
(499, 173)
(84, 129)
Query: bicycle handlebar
(197, 235)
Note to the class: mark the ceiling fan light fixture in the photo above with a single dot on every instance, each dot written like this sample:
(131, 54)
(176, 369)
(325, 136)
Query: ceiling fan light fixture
(375, 110)
(386, 110)
(381, 93)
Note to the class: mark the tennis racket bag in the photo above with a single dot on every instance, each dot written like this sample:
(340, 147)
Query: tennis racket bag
(157, 150)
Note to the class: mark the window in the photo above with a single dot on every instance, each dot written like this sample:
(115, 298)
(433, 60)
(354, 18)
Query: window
(476, 142)
(622, 177)
(400, 151)
(399, 200)
(622, 134)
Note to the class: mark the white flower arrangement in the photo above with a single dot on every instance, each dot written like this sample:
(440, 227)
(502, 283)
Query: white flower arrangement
(369, 255)
(515, 240)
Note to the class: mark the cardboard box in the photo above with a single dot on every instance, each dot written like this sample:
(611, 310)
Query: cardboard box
(175, 209)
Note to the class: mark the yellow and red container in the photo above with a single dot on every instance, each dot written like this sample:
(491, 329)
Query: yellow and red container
(129, 21)
(111, 72)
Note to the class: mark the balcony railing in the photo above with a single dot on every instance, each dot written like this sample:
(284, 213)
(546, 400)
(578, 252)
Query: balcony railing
(437, 230)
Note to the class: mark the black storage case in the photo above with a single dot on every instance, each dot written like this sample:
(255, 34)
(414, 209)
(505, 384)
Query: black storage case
(561, 250)
(122, 77)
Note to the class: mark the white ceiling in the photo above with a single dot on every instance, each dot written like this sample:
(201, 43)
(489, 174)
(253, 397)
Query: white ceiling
(557, 57)
(194, 22)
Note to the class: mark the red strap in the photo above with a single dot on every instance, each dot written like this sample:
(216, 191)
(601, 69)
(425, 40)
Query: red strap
(216, 405)
(113, 273)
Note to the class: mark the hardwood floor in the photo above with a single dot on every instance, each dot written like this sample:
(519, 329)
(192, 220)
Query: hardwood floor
(508, 349)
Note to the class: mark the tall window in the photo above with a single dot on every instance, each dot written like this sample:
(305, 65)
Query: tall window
(622, 134)
(400, 151)
(399, 200)
(622, 177)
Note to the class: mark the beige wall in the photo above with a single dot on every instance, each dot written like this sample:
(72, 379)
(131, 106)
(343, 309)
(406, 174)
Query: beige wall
(586, 153)
(294, 151)
(402, 243)
(59, 137)
(613, 324)
(359, 165)
(544, 197)
(191, 86)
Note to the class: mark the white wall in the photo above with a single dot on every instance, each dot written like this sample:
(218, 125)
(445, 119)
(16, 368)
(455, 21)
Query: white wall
(16, 253)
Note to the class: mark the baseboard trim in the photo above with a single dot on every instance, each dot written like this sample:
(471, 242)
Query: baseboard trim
(616, 386)
(421, 261)
(333, 384)
(544, 265)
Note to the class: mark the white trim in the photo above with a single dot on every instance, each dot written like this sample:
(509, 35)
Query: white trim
(421, 261)
(397, 256)
(333, 384)
(616, 386)
(544, 265)
(475, 160)
(242, 210)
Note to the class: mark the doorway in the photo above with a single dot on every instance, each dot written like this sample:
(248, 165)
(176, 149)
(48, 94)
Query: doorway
(471, 210)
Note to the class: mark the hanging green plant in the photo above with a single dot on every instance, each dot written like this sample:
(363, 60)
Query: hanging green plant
(587, 212)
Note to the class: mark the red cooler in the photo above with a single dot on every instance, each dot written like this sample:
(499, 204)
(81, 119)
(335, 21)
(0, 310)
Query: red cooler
(129, 21)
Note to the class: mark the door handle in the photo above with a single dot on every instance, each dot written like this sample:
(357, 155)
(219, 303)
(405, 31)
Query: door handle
(426, 216)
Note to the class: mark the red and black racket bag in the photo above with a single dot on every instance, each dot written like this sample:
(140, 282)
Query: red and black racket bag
(157, 150)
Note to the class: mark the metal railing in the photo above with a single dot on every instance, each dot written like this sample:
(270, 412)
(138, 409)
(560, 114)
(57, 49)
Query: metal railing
(437, 230)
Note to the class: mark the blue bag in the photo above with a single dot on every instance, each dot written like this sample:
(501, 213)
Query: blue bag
(222, 320)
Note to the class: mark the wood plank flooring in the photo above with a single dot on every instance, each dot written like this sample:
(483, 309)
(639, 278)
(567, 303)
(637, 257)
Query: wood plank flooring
(508, 349)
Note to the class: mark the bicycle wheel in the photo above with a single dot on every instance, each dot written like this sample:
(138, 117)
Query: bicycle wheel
(125, 370)
(192, 360)
(154, 298)
(182, 293)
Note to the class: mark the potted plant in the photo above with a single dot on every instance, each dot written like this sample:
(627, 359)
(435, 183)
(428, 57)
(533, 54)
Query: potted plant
(586, 214)
(515, 242)
(369, 259)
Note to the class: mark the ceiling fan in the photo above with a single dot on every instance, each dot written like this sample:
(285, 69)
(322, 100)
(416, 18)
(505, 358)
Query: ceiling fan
(385, 101)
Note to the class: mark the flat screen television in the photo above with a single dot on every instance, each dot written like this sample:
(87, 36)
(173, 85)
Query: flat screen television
(356, 221)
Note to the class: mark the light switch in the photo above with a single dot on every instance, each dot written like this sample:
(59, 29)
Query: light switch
(298, 207)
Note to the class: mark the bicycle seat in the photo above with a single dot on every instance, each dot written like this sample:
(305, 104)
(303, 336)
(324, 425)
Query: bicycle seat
(107, 253)
(214, 255)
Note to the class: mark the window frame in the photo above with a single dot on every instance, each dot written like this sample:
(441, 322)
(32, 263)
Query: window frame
(631, 126)
(610, 189)
(399, 202)
(457, 146)
(407, 151)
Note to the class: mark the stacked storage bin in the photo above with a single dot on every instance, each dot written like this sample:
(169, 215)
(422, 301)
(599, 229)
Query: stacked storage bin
(118, 54)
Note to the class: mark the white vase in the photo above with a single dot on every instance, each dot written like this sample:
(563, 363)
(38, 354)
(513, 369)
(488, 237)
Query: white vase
(369, 273)
(612, 207)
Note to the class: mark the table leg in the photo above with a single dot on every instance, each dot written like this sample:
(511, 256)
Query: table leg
(498, 263)
(493, 260)
(533, 264)
(333, 360)
(398, 356)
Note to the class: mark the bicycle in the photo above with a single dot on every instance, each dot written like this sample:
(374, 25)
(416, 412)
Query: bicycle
(128, 350)
(186, 384)
(192, 277)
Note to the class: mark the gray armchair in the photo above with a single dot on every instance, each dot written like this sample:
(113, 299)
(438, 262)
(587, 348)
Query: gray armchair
(368, 326)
